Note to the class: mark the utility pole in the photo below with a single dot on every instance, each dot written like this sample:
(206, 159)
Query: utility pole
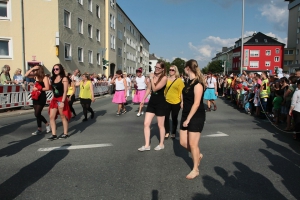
(242, 46)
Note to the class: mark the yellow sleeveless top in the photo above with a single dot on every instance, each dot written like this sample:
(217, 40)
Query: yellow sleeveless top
(70, 90)
(85, 90)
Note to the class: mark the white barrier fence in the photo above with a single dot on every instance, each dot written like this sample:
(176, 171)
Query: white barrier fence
(12, 96)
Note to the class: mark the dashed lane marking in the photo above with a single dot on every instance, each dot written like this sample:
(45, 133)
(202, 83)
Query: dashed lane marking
(71, 147)
(218, 134)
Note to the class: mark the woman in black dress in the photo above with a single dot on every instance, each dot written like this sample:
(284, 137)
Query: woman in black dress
(193, 114)
(37, 72)
(156, 106)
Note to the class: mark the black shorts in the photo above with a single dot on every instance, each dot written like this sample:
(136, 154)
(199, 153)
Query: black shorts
(195, 125)
(85, 101)
(158, 109)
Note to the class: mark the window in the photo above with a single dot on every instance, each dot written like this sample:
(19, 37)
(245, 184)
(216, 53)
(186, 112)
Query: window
(296, 61)
(67, 51)
(288, 52)
(90, 56)
(297, 40)
(98, 59)
(80, 1)
(119, 51)
(268, 52)
(67, 19)
(98, 35)
(256, 40)
(298, 30)
(265, 40)
(298, 19)
(277, 51)
(6, 48)
(80, 54)
(112, 42)
(98, 11)
(112, 3)
(267, 63)
(90, 31)
(90, 5)
(276, 58)
(297, 52)
(120, 35)
(80, 26)
(254, 53)
(112, 21)
(288, 62)
(254, 64)
(5, 9)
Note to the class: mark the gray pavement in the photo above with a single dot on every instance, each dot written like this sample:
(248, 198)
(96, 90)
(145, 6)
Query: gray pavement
(248, 160)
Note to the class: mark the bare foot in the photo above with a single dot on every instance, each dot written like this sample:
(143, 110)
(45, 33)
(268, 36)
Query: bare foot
(193, 174)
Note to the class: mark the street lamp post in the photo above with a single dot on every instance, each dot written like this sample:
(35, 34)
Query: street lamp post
(242, 40)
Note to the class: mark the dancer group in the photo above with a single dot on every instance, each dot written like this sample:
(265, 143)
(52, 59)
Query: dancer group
(168, 94)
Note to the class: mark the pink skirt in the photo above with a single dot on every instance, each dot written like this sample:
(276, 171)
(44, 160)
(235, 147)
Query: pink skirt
(119, 97)
(139, 95)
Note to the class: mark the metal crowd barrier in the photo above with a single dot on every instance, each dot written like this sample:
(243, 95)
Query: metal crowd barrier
(18, 96)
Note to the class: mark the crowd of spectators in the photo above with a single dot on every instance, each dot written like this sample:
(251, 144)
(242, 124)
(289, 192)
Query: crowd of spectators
(265, 95)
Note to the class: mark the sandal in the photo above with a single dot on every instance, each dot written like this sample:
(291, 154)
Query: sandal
(193, 174)
(173, 136)
(215, 107)
(167, 135)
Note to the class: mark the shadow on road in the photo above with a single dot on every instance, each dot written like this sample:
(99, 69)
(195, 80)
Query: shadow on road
(242, 184)
(6, 129)
(286, 166)
(182, 153)
(28, 175)
(17, 146)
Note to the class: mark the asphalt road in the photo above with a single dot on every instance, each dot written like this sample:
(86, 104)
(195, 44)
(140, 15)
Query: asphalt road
(244, 158)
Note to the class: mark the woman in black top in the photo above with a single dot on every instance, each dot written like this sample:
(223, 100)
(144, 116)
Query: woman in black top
(156, 106)
(37, 72)
(59, 103)
(193, 114)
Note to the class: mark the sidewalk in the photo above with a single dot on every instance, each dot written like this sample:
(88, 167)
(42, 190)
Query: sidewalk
(29, 110)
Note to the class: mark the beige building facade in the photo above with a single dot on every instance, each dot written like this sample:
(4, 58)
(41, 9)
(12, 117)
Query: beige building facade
(78, 34)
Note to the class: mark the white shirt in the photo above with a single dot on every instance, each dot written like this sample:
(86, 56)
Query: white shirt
(140, 81)
(75, 78)
(128, 81)
(210, 82)
(296, 100)
(120, 84)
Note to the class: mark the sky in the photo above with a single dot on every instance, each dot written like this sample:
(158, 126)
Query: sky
(198, 29)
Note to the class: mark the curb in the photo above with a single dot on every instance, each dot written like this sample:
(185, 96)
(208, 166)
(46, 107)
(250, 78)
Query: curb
(26, 111)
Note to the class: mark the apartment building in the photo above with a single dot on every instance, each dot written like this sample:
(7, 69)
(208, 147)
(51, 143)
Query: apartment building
(293, 44)
(132, 46)
(78, 34)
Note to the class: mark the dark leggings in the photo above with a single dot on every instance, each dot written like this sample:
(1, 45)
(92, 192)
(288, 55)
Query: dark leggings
(86, 106)
(174, 108)
(38, 114)
(296, 116)
(71, 101)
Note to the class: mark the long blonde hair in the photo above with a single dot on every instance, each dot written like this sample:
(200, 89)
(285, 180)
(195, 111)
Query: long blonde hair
(176, 71)
(16, 72)
(193, 65)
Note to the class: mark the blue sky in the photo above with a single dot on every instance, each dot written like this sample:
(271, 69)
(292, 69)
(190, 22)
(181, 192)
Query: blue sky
(197, 29)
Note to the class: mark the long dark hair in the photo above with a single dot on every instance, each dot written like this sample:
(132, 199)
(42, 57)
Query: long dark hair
(61, 72)
(163, 73)
(40, 74)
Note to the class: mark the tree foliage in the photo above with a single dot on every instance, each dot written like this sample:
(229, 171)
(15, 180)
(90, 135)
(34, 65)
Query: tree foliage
(214, 67)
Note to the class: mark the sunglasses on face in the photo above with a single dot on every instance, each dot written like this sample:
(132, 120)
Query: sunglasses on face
(55, 69)
(172, 70)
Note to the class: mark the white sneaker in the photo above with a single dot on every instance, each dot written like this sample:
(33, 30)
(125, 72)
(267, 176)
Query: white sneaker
(143, 148)
(142, 113)
(159, 147)
(48, 129)
(139, 114)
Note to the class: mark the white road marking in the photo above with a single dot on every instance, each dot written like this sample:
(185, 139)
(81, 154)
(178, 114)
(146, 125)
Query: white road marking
(75, 147)
(218, 134)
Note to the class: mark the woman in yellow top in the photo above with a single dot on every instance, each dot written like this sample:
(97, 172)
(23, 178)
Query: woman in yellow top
(173, 94)
(86, 96)
(71, 94)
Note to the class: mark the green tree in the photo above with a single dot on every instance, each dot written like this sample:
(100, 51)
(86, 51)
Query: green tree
(214, 67)
(180, 64)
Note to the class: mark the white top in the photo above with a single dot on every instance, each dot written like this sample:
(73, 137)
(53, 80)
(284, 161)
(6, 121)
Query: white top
(210, 82)
(296, 100)
(120, 84)
(140, 81)
(128, 81)
(75, 78)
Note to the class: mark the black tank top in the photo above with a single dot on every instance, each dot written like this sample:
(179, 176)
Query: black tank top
(58, 88)
(188, 99)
